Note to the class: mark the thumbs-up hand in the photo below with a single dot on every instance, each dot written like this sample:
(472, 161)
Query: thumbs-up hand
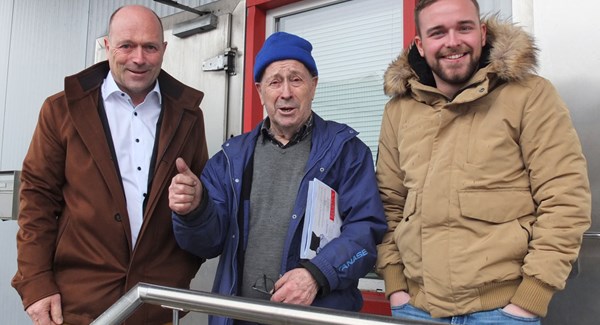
(185, 191)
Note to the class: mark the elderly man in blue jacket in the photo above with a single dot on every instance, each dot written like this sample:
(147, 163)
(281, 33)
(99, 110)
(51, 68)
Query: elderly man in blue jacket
(249, 205)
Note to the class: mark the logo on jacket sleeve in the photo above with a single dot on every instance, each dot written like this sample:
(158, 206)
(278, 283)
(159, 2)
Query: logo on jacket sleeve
(353, 259)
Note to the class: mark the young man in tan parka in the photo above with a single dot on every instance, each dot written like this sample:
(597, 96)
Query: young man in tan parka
(481, 173)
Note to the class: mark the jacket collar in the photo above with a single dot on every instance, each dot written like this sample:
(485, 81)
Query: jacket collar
(90, 79)
(324, 134)
(510, 55)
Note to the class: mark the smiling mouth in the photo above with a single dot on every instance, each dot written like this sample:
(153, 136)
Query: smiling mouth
(455, 56)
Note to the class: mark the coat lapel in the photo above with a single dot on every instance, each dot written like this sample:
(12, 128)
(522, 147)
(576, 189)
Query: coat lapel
(174, 131)
(86, 120)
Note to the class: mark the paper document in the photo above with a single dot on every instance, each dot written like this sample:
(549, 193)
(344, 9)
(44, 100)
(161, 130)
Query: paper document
(322, 220)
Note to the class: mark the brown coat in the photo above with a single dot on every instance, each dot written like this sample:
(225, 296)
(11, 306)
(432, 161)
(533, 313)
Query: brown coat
(74, 236)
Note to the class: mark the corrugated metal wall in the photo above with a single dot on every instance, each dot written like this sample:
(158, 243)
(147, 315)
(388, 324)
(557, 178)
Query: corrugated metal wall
(42, 42)
(6, 9)
(46, 40)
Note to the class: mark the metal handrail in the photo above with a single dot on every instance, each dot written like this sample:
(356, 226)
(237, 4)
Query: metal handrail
(265, 312)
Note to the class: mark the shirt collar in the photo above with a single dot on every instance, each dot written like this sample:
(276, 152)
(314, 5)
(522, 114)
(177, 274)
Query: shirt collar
(109, 87)
(302, 133)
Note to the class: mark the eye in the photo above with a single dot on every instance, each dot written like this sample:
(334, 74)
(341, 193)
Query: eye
(296, 81)
(436, 33)
(151, 48)
(466, 28)
(274, 83)
(124, 48)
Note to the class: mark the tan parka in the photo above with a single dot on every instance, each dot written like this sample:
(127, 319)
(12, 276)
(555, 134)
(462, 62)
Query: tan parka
(486, 194)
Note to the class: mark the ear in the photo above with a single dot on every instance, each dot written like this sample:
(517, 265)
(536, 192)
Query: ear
(106, 44)
(258, 87)
(314, 86)
(483, 34)
(419, 44)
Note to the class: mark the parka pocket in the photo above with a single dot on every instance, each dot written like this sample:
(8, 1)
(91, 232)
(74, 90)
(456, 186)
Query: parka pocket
(499, 218)
(410, 205)
(496, 206)
(407, 234)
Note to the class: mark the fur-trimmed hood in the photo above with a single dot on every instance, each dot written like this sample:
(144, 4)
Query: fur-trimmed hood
(510, 54)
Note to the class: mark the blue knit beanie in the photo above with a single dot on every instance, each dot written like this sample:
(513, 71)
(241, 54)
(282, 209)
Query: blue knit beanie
(283, 46)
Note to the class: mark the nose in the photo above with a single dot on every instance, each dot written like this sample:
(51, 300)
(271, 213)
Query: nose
(137, 55)
(452, 39)
(286, 90)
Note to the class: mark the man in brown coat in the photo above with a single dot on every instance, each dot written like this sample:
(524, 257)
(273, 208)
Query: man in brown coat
(94, 215)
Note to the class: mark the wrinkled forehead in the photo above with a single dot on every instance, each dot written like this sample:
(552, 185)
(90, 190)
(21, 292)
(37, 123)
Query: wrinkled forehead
(285, 68)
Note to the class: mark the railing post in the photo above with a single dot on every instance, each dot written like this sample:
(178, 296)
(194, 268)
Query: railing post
(175, 316)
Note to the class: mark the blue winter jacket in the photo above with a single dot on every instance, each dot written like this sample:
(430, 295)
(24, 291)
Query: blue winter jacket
(338, 158)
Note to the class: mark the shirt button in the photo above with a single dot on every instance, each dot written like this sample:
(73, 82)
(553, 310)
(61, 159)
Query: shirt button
(294, 216)
(118, 217)
(135, 113)
(321, 169)
(137, 140)
(139, 168)
(237, 180)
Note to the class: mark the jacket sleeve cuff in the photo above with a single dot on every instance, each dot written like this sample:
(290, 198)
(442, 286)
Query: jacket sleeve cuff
(36, 288)
(533, 295)
(393, 277)
(321, 279)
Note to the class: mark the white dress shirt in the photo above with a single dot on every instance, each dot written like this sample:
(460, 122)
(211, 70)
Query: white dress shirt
(133, 130)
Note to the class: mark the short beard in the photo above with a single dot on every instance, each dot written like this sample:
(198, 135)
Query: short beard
(454, 79)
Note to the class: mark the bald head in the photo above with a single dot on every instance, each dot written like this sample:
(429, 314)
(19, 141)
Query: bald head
(141, 12)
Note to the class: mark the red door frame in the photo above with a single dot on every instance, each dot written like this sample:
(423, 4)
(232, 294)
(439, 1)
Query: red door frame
(256, 14)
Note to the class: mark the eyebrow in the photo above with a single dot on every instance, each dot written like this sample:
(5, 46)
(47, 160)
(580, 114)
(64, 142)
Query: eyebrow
(293, 72)
(460, 23)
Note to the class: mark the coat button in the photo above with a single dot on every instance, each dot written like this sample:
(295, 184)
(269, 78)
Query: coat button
(118, 217)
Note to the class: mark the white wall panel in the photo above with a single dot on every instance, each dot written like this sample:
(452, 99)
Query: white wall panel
(46, 43)
(6, 14)
(568, 36)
